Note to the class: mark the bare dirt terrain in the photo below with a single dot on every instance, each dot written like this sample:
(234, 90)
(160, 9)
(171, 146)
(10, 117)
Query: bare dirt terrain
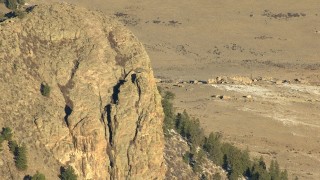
(276, 40)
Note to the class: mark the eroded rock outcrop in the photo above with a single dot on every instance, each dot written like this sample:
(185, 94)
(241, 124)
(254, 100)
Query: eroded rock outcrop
(103, 115)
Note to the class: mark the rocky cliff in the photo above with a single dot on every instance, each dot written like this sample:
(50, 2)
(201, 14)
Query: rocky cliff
(103, 115)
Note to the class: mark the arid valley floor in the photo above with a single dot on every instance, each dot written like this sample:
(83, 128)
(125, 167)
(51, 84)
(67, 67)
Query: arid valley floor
(274, 43)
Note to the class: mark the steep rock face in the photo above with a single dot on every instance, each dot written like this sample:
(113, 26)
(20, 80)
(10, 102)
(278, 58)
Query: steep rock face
(103, 116)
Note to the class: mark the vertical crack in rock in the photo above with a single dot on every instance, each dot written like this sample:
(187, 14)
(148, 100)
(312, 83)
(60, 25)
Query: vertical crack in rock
(116, 91)
(112, 125)
(65, 90)
(107, 126)
(102, 117)
(138, 127)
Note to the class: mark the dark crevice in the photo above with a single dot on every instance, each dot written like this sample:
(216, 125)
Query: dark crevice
(79, 122)
(116, 91)
(111, 148)
(133, 78)
(138, 128)
(138, 123)
(75, 68)
(109, 124)
(68, 111)
(139, 91)
(65, 90)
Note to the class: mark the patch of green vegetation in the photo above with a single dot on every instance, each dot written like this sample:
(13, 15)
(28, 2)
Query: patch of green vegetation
(169, 118)
(21, 158)
(6, 133)
(12, 145)
(189, 128)
(235, 161)
(45, 89)
(19, 152)
(38, 176)
(67, 173)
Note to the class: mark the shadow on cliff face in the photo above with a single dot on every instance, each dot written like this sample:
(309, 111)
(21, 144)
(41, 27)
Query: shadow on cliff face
(116, 91)
(68, 111)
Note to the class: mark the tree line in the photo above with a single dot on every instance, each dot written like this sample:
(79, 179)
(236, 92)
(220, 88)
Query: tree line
(234, 161)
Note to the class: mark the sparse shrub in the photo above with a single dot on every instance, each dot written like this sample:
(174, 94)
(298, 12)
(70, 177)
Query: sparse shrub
(67, 173)
(21, 158)
(38, 176)
(12, 146)
(6, 133)
(186, 157)
(27, 177)
(45, 89)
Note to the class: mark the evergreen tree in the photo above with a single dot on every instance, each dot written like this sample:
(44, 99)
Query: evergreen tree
(6, 133)
(169, 117)
(276, 170)
(284, 175)
(21, 158)
(213, 147)
(68, 174)
(236, 162)
(12, 146)
(272, 170)
(258, 172)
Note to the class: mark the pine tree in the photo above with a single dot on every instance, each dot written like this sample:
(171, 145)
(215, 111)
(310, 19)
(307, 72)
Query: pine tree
(21, 158)
(276, 170)
(68, 174)
(213, 146)
(284, 175)
(6, 133)
(272, 170)
(12, 146)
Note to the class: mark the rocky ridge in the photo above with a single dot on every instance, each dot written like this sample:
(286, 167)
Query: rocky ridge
(103, 116)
